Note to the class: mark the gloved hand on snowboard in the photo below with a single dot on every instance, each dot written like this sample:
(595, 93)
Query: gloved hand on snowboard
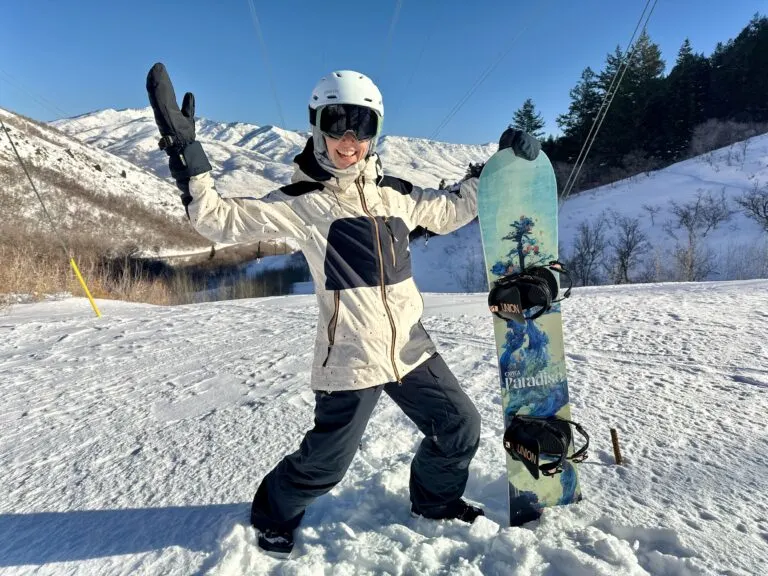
(522, 144)
(186, 157)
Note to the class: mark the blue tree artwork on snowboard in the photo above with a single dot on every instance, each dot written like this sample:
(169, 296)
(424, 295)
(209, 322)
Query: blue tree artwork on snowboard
(526, 251)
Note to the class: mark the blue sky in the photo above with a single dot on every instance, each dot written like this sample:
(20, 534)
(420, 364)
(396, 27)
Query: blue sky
(69, 57)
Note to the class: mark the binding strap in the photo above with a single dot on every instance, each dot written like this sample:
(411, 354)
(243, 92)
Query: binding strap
(529, 438)
(533, 288)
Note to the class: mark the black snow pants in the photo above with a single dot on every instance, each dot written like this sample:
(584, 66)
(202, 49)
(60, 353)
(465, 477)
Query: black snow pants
(431, 397)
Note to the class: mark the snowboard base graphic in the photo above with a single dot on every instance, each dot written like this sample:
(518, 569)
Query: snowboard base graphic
(517, 207)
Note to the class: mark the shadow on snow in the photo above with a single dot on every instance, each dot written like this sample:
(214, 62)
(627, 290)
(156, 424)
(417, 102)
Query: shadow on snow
(44, 537)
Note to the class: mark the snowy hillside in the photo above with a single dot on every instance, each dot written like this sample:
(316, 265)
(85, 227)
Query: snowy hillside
(730, 171)
(54, 150)
(133, 444)
(84, 188)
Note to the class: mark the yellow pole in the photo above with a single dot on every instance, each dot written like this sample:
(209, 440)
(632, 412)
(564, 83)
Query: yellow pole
(85, 288)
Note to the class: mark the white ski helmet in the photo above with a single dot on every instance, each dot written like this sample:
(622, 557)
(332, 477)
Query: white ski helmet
(343, 87)
(347, 87)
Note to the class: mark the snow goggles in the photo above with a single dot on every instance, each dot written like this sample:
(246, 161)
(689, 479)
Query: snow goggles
(338, 119)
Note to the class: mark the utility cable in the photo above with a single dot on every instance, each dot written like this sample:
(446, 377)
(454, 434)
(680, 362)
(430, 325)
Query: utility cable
(265, 56)
(610, 94)
(72, 262)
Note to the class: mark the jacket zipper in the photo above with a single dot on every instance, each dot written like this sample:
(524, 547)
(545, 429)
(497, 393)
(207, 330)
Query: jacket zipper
(381, 275)
(332, 324)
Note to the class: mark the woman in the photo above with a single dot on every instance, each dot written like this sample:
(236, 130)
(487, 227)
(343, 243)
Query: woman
(352, 224)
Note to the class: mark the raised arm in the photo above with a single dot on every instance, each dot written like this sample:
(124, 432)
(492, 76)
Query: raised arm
(227, 220)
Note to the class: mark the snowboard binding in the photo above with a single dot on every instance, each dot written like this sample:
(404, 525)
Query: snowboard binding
(514, 296)
(528, 438)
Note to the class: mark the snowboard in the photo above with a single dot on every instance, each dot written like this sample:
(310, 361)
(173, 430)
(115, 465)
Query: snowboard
(517, 212)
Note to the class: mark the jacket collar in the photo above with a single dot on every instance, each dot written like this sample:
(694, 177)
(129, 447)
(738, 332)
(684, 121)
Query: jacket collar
(308, 168)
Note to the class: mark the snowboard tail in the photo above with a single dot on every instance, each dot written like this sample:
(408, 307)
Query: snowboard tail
(517, 209)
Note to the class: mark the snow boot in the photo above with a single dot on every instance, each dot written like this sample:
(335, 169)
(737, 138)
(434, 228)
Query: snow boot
(276, 543)
(458, 510)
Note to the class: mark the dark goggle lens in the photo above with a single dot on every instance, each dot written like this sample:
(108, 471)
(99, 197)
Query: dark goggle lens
(338, 119)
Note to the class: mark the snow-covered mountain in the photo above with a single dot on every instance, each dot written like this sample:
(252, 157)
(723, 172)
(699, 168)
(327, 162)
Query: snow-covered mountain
(86, 189)
(133, 443)
(252, 160)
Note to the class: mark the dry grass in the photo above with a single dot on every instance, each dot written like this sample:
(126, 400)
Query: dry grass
(35, 265)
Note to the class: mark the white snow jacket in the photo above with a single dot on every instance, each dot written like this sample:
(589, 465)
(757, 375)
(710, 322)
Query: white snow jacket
(354, 235)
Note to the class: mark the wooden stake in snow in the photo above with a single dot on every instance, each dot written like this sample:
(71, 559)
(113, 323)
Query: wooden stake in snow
(616, 450)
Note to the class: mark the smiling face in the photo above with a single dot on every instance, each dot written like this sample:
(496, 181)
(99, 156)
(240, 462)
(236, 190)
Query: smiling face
(346, 151)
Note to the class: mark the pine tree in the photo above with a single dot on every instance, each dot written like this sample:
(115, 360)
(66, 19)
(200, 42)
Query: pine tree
(646, 60)
(739, 87)
(585, 103)
(634, 116)
(686, 94)
(528, 120)
(616, 136)
(684, 54)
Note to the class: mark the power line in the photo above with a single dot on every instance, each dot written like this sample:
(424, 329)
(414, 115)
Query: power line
(72, 262)
(36, 97)
(44, 102)
(610, 94)
(487, 72)
(417, 61)
(265, 56)
(390, 35)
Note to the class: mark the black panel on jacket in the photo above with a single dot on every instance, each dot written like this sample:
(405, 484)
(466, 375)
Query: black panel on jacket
(402, 186)
(300, 188)
(352, 256)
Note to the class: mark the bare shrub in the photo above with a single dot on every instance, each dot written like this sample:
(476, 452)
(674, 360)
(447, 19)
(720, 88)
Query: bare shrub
(744, 261)
(628, 245)
(655, 267)
(653, 210)
(714, 134)
(588, 251)
(755, 205)
(693, 221)
(471, 276)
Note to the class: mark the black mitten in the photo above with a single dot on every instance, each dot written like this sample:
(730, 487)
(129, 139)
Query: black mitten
(522, 144)
(186, 157)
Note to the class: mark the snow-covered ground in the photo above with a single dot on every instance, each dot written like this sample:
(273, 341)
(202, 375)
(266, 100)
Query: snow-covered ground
(132, 444)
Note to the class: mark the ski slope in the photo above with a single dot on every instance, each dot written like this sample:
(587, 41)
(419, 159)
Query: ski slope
(133, 444)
